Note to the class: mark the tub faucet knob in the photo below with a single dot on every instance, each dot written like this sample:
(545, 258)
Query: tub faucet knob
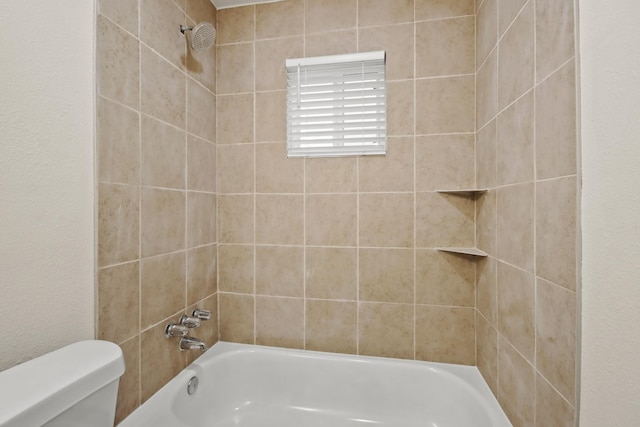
(201, 314)
(190, 322)
(173, 330)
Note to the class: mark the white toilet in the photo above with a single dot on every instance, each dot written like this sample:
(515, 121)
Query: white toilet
(75, 386)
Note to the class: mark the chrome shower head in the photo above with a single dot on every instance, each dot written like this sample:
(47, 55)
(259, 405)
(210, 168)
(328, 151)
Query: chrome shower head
(202, 36)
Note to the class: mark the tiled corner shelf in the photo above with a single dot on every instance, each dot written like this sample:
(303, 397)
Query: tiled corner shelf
(466, 192)
(465, 251)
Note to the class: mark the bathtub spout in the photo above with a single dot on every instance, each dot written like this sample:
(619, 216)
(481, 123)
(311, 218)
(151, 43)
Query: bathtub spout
(188, 343)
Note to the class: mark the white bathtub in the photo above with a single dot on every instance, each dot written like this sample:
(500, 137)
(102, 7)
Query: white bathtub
(254, 386)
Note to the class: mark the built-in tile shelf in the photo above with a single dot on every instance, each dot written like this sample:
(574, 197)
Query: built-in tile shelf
(465, 251)
(466, 192)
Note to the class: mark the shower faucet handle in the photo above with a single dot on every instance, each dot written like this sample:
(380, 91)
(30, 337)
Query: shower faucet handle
(201, 314)
(190, 322)
(173, 330)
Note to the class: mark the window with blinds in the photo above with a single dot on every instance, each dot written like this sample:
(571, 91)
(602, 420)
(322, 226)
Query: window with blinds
(337, 105)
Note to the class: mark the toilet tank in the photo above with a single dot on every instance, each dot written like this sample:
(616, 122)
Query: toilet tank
(76, 385)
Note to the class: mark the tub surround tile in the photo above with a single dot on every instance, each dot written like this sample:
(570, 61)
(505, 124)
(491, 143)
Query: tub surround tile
(445, 105)
(445, 162)
(555, 39)
(400, 107)
(385, 330)
(117, 55)
(445, 47)
(486, 144)
(444, 279)
(118, 223)
(515, 383)
(386, 220)
(454, 329)
(271, 116)
(236, 218)
(202, 273)
(515, 149)
(236, 25)
(398, 43)
(435, 9)
(129, 385)
(486, 219)
(163, 154)
(156, 172)
(279, 219)
(201, 118)
(516, 309)
(235, 118)
(392, 172)
(516, 58)
(386, 275)
(551, 408)
(556, 124)
(160, 360)
(236, 268)
(330, 273)
(556, 337)
(118, 142)
(163, 93)
(279, 271)
(556, 229)
(487, 289)
(322, 16)
(122, 12)
(383, 12)
(487, 90)
(515, 225)
(487, 352)
(444, 220)
(201, 165)
(235, 168)
(235, 76)
(118, 296)
(487, 29)
(201, 10)
(279, 19)
(331, 326)
(271, 55)
(275, 173)
(508, 11)
(333, 43)
(162, 287)
(156, 16)
(280, 322)
(328, 175)
(236, 317)
(330, 220)
(163, 221)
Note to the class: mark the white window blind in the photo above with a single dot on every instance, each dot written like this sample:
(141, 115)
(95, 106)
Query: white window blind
(336, 105)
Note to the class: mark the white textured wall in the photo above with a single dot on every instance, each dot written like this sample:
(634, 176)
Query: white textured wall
(610, 58)
(46, 176)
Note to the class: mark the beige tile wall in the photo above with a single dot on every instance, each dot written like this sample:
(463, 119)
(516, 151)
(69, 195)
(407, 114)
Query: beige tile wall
(526, 155)
(157, 241)
(338, 254)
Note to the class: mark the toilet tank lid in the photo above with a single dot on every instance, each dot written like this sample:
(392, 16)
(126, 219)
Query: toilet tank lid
(37, 390)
